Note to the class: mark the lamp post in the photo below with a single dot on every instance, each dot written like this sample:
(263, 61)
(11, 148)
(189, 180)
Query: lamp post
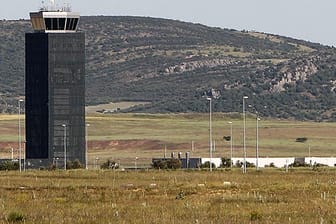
(135, 163)
(86, 145)
(257, 143)
(210, 132)
(96, 162)
(20, 155)
(257, 136)
(244, 117)
(230, 122)
(56, 162)
(24, 157)
(64, 146)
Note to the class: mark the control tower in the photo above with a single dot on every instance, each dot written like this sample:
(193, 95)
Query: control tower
(55, 89)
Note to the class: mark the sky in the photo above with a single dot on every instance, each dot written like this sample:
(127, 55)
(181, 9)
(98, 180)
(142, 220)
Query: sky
(310, 20)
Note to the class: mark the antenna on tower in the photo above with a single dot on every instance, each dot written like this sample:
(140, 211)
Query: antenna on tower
(52, 5)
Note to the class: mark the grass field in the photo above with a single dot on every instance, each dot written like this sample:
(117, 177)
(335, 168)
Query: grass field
(303, 195)
(123, 137)
(269, 196)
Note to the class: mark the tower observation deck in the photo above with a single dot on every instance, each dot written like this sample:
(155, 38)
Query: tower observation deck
(55, 21)
(55, 89)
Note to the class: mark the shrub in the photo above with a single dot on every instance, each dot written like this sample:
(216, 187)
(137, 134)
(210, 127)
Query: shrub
(226, 162)
(9, 165)
(255, 216)
(271, 165)
(207, 165)
(109, 164)
(167, 164)
(240, 164)
(174, 164)
(227, 138)
(301, 139)
(15, 217)
(76, 164)
(159, 164)
(299, 164)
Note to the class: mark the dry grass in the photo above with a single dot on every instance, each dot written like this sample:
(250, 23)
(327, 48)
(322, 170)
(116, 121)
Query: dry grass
(149, 196)
(270, 196)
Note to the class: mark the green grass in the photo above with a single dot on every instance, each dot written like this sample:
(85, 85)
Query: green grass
(126, 136)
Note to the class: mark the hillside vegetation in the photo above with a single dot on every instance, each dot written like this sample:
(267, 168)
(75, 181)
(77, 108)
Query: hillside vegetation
(174, 65)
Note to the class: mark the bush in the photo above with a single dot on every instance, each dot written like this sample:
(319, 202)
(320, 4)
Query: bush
(207, 165)
(167, 164)
(271, 165)
(174, 164)
(226, 162)
(9, 165)
(298, 164)
(15, 217)
(109, 164)
(160, 164)
(301, 139)
(76, 164)
(255, 216)
(240, 164)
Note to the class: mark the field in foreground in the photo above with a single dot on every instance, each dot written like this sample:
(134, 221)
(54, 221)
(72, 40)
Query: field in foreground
(269, 196)
(123, 137)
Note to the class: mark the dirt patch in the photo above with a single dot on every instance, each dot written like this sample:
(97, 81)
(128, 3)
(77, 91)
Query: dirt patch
(8, 145)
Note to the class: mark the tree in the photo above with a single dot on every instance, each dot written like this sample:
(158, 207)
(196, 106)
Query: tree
(207, 165)
(226, 162)
(167, 164)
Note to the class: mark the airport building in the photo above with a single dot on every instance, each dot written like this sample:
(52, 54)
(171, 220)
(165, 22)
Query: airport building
(55, 89)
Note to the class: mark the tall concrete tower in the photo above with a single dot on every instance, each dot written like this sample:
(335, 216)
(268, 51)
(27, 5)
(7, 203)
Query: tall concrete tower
(55, 88)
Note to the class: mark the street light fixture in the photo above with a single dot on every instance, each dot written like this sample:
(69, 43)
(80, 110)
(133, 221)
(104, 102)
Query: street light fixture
(20, 155)
(210, 132)
(64, 146)
(230, 122)
(244, 117)
(86, 145)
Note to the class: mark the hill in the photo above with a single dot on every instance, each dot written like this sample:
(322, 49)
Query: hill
(174, 65)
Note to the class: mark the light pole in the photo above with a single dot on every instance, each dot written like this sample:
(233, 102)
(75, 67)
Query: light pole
(86, 146)
(210, 132)
(20, 155)
(257, 136)
(24, 157)
(230, 122)
(244, 117)
(96, 163)
(64, 145)
(257, 143)
(135, 163)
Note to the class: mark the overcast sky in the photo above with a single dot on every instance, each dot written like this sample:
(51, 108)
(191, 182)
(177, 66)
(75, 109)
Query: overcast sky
(311, 20)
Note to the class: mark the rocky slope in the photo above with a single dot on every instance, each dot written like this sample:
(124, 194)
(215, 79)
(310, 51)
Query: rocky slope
(175, 64)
